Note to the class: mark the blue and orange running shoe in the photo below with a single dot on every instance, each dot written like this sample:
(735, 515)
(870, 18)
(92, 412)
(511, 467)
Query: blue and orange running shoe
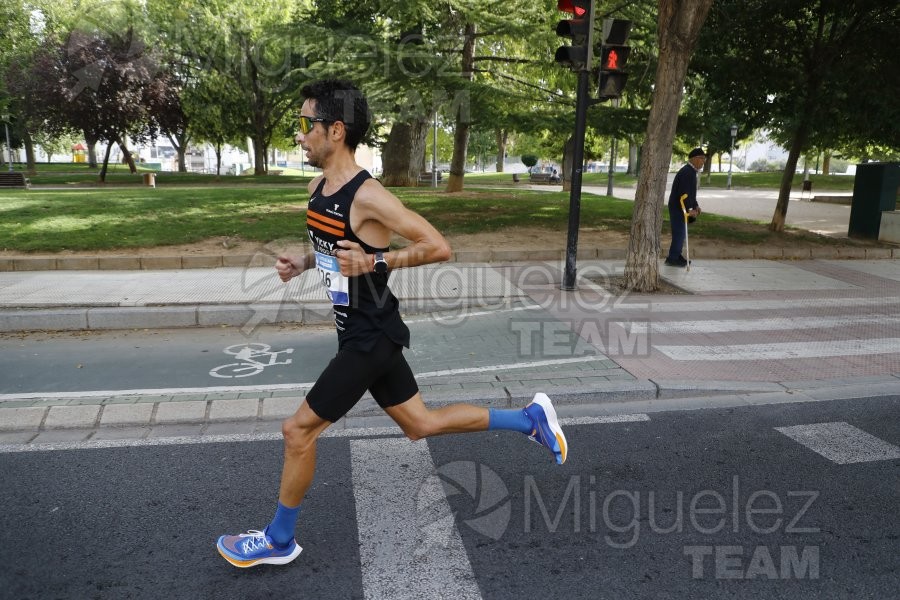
(255, 548)
(547, 431)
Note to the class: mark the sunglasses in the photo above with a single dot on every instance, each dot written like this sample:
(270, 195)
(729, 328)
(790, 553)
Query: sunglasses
(307, 123)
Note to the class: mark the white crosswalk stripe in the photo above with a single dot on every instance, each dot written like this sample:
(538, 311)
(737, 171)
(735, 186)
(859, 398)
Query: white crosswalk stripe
(396, 561)
(830, 327)
(773, 324)
(783, 350)
(707, 306)
(841, 442)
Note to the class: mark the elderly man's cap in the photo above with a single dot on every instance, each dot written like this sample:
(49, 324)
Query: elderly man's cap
(696, 152)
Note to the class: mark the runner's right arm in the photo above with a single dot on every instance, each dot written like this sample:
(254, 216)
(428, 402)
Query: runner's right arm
(291, 265)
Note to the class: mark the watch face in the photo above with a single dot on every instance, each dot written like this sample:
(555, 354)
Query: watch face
(380, 263)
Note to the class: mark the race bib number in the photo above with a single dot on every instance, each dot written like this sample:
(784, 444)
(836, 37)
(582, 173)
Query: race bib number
(336, 285)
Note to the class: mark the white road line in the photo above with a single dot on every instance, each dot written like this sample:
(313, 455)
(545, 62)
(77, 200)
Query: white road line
(841, 442)
(774, 324)
(512, 366)
(466, 315)
(635, 418)
(783, 350)
(160, 391)
(388, 478)
(705, 306)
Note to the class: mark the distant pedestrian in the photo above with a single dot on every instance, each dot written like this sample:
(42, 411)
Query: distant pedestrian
(685, 183)
(350, 220)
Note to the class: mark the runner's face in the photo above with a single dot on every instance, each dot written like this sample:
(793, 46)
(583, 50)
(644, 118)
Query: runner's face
(315, 143)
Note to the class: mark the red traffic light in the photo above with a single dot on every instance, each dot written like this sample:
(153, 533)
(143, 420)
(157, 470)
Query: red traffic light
(612, 60)
(575, 7)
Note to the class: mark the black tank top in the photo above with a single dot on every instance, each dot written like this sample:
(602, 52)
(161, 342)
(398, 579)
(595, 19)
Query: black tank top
(364, 306)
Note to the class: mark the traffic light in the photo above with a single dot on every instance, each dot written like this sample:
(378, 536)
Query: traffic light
(580, 28)
(613, 56)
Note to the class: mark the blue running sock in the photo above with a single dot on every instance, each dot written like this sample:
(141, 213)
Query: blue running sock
(282, 527)
(513, 419)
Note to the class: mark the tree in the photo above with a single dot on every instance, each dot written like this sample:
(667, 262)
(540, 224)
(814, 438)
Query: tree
(679, 25)
(101, 84)
(167, 113)
(817, 74)
(261, 47)
(214, 110)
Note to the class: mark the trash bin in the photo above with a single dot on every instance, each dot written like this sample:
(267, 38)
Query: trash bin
(150, 179)
(874, 191)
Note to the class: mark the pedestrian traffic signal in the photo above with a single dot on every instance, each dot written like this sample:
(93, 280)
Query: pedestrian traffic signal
(613, 56)
(580, 29)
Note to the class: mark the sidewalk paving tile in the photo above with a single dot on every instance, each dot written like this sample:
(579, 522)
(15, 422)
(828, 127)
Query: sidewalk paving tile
(280, 407)
(126, 414)
(68, 417)
(234, 410)
(22, 418)
(181, 412)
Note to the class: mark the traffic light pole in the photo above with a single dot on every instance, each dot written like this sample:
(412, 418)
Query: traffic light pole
(582, 100)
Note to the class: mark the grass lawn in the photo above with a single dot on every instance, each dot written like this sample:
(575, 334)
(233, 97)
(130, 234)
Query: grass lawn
(820, 183)
(131, 217)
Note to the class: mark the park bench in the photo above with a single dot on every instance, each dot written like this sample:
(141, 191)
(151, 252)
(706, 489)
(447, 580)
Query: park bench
(425, 178)
(14, 180)
(539, 178)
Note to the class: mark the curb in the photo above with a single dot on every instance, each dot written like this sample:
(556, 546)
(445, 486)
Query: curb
(53, 427)
(260, 259)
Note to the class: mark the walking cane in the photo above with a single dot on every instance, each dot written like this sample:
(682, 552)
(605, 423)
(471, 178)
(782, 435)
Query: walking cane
(687, 243)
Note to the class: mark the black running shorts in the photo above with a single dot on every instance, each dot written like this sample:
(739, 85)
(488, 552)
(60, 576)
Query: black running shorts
(383, 371)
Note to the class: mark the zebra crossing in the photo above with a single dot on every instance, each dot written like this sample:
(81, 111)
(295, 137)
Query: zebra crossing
(765, 338)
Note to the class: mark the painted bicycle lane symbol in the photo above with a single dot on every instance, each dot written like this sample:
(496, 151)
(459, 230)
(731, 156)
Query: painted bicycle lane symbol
(254, 358)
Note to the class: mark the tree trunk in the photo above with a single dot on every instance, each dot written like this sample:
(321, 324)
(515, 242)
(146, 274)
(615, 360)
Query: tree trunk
(787, 178)
(218, 159)
(30, 163)
(679, 27)
(461, 134)
(502, 136)
(91, 150)
(404, 153)
(126, 155)
(826, 163)
(632, 156)
(105, 162)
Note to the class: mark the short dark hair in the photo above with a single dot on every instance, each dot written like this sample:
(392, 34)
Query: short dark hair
(340, 100)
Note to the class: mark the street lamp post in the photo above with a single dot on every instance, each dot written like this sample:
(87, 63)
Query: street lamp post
(8, 146)
(734, 129)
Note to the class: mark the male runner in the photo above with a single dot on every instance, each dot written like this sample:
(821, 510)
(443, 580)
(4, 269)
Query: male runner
(350, 220)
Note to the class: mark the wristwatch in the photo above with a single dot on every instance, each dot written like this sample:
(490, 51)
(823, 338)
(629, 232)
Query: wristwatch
(381, 265)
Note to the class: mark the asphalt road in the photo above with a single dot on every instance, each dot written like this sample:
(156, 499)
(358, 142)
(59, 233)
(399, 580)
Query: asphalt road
(708, 503)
